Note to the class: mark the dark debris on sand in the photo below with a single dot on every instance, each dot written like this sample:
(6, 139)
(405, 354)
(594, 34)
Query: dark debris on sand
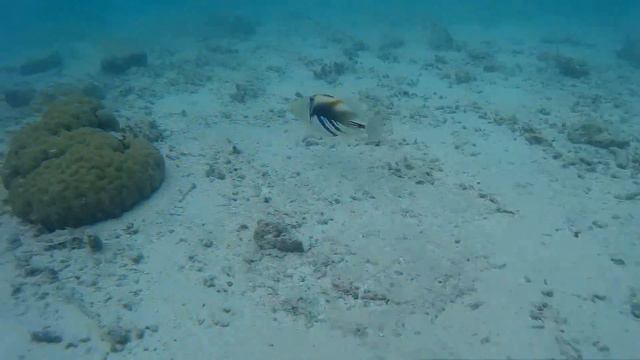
(276, 235)
(117, 65)
(40, 65)
(45, 336)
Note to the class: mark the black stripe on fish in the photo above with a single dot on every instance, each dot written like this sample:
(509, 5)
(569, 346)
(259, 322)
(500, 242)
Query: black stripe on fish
(356, 125)
(321, 120)
(334, 124)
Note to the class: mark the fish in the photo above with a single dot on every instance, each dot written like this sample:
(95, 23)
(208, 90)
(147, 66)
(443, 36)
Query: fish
(335, 116)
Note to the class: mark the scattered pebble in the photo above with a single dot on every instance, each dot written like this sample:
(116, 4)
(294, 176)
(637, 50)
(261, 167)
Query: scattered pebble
(152, 328)
(40, 65)
(214, 172)
(206, 243)
(117, 65)
(118, 337)
(276, 235)
(130, 229)
(94, 242)
(476, 305)
(45, 336)
(618, 261)
(209, 281)
(19, 97)
(600, 346)
(137, 258)
(634, 195)
(635, 309)
(599, 224)
(597, 135)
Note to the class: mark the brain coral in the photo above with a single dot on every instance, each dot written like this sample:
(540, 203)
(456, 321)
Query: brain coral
(66, 171)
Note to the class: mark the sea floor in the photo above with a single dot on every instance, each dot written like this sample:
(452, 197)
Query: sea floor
(480, 225)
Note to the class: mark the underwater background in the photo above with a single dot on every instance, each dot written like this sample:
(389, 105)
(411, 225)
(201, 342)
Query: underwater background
(30, 23)
(171, 190)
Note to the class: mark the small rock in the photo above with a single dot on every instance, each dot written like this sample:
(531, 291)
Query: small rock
(618, 261)
(630, 51)
(597, 135)
(119, 338)
(571, 67)
(547, 293)
(19, 97)
(14, 242)
(137, 258)
(130, 229)
(16, 289)
(45, 336)
(147, 129)
(635, 309)
(245, 92)
(235, 150)
(94, 90)
(215, 172)
(533, 136)
(600, 346)
(331, 72)
(207, 243)
(621, 158)
(209, 281)
(76, 243)
(311, 141)
(599, 224)
(463, 76)
(152, 328)
(234, 27)
(94, 242)
(544, 111)
(40, 65)
(117, 65)
(440, 38)
(138, 334)
(628, 196)
(275, 235)
(107, 121)
(475, 305)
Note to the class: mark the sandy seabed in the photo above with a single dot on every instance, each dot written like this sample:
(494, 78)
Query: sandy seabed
(477, 227)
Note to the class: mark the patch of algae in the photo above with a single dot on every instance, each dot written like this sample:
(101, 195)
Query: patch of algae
(67, 171)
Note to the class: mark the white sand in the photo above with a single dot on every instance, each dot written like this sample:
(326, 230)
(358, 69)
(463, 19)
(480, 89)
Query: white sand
(451, 268)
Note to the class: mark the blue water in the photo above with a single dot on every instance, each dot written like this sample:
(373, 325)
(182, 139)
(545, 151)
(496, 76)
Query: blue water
(32, 23)
(482, 219)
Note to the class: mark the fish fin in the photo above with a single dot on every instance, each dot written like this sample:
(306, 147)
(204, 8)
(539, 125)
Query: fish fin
(356, 125)
(300, 108)
(352, 114)
(323, 121)
(355, 106)
(334, 124)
